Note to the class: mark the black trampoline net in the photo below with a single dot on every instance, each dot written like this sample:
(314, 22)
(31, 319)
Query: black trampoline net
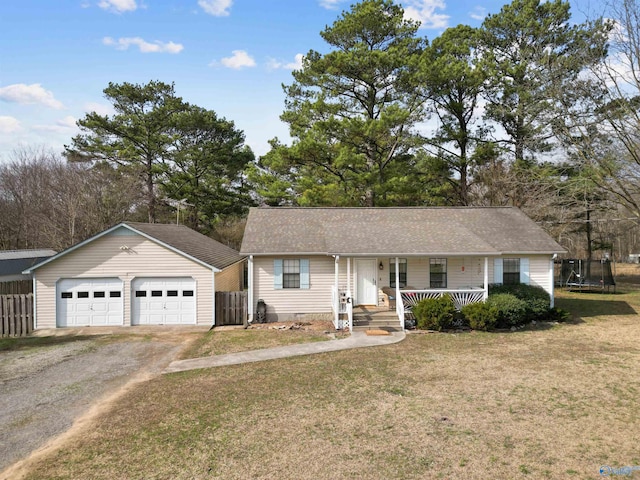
(586, 273)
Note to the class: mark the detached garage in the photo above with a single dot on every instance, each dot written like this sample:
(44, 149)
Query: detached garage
(135, 274)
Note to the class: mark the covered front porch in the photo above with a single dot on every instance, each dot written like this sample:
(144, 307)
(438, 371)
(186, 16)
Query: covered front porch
(396, 284)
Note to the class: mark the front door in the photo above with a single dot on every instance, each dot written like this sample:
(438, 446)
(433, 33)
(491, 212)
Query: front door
(366, 284)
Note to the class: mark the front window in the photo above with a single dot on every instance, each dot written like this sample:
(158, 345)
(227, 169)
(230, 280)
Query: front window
(511, 271)
(291, 274)
(438, 273)
(402, 272)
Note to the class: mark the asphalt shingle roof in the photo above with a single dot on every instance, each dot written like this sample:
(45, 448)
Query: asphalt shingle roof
(388, 231)
(192, 243)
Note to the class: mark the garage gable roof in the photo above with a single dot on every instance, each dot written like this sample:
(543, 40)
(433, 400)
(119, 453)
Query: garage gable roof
(178, 238)
(394, 231)
(188, 241)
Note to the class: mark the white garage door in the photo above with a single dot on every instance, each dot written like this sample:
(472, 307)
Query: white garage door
(89, 302)
(163, 301)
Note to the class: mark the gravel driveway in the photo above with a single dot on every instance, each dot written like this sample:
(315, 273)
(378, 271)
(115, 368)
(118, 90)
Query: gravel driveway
(44, 389)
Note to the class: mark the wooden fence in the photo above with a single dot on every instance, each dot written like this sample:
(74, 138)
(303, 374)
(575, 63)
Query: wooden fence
(18, 286)
(16, 315)
(231, 308)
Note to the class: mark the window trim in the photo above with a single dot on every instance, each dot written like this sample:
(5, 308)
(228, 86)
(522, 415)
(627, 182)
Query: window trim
(514, 275)
(525, 270)
(392, 272)
(443, 275)
(278, 273)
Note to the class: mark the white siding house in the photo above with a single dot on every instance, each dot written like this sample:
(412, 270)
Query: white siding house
(320, 262)
(135, 274)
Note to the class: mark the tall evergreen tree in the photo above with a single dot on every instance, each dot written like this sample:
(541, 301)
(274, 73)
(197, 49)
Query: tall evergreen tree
(454, 85)
(531, 51)
(352, 111)
(137, 137)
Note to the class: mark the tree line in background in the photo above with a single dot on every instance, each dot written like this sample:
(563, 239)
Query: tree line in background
(530, 109)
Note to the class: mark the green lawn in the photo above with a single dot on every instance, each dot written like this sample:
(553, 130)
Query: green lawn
(545, 402)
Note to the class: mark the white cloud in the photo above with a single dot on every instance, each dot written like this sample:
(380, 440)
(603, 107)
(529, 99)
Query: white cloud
(29, 95)
(424, 11)
(238, 60)
(143, 46)
(118, 6)
(99, 108)
(478, 13)
(62, 125)
(217, 8)
(273, 64)
(9, 125)
(330, 4)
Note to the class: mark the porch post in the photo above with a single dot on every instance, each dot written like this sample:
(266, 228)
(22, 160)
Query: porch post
(486, 278)
(397, 279)
(336, 306)
(398, 297)
(250, 289)
(348, 276)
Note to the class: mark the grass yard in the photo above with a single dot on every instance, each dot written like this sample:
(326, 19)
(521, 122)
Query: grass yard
(555, 402)
(218, 342)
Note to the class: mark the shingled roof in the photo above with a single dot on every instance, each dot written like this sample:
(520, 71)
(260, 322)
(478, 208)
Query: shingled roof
(180, 238)
(394, 231)
(190, 242)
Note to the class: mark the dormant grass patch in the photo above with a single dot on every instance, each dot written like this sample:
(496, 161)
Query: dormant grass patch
(551, 401)
(222, 341)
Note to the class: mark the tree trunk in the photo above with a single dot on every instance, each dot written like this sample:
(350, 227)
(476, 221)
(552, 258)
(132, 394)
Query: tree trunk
(151, 197)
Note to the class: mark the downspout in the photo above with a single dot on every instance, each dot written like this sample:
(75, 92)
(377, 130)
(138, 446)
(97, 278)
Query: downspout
(552, 280)
(250, 289)
(485, 295)
(35, 305)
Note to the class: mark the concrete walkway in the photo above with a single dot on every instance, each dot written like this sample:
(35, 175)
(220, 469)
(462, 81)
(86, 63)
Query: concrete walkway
(356, 340)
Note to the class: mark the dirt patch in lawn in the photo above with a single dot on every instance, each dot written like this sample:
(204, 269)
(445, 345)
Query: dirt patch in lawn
(259, 336)
(324, 326)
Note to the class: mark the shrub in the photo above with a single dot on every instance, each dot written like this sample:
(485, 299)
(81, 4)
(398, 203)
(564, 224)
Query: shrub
(520, 290)
(536, 298)
(512, 311)
(556, 314)
(537, 309)
(480, 315)
(435, 313)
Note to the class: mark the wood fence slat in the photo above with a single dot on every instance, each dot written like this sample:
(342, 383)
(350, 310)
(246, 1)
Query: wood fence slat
(16, 315)
(231, 308)
(4, 316)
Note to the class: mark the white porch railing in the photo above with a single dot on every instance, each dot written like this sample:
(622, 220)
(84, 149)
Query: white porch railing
(460, 297)
(341, 304)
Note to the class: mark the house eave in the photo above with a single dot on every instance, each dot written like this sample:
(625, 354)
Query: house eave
(108, 231)
(403, 254)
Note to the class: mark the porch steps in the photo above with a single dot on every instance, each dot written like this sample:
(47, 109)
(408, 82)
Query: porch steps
(375, 319)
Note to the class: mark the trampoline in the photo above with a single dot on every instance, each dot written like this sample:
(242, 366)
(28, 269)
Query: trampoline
(577, 274)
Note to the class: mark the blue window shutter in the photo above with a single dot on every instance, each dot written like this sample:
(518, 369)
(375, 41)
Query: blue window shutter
(277, 274)
(497, 270)
(304, 273)
(524, 271)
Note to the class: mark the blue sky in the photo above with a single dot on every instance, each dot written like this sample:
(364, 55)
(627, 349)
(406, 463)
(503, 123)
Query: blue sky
(231, 56)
